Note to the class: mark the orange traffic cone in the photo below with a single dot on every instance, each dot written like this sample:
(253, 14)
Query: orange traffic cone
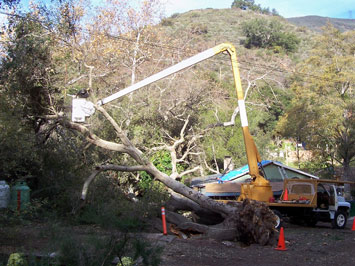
(285, 194)
(281, 244)
(353, 229)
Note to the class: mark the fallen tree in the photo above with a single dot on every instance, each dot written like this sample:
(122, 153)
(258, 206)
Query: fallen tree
(249, 221)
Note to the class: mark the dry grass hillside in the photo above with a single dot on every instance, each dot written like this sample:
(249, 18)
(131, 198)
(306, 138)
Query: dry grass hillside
(316, 23)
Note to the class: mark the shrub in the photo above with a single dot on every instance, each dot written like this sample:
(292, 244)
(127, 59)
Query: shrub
(199, 29)
(167, 22)
(262, 33)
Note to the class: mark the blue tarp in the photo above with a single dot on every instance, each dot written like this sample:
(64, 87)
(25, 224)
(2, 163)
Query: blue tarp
(240, 171)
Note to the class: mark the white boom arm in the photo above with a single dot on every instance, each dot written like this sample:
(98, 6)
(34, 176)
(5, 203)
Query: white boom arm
(82, 108)
(160, 75)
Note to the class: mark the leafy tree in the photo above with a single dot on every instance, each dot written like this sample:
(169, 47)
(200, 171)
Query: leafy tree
(18, 152)
(274, 12)
(27, 70)
(250, 5)
(263, 33)
(322, 111)
(244, 4)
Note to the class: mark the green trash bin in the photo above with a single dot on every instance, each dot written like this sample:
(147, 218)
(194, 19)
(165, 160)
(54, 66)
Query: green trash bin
(20, 196)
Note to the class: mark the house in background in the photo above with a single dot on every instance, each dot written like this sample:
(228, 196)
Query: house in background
(227, 186)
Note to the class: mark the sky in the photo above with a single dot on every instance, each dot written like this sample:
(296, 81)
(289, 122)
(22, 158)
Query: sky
(286, 8)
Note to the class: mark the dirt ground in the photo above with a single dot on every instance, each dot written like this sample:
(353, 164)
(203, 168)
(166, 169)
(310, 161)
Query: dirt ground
(320, 245)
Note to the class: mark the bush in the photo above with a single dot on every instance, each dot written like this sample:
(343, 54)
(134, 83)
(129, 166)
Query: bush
(262, 33)
(77, 249)
(167, 22)
(109, 208)
(199, 29)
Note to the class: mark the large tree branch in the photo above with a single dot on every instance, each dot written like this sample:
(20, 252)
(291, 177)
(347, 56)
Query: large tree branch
(92, 138)
(122, 168)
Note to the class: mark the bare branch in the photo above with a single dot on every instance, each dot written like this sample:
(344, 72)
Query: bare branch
(128, 146)
(121, 168)
(190, 171)
(231, 122)
(90, 75)
(76, 79)
(88, 182)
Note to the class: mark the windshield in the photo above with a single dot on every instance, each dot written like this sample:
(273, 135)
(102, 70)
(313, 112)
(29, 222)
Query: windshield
(340, 191)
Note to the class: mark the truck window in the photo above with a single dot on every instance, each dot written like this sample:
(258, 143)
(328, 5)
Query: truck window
(302, 188)
(321, 188)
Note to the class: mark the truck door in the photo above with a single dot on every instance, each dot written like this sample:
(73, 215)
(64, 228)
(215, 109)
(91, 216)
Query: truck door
(333, 202)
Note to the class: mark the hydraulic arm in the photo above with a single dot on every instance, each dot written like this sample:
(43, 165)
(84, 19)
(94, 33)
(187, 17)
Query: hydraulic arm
(260, 188)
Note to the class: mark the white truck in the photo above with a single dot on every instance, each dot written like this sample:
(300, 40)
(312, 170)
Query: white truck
(313, 200)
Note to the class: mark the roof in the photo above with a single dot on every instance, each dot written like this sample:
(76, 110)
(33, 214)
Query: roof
(244, 170)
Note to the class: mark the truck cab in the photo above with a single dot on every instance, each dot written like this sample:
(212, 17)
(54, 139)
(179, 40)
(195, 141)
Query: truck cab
(331, 204)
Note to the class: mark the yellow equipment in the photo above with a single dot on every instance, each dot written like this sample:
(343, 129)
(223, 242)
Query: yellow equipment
(259, 189)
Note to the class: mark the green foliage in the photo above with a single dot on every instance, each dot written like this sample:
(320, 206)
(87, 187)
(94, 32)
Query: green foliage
(17, 259)
(319, 113)
(97, 248)
(317, 165)
(246, 4)
(108, 207)
(162, 161)
(276, 100)
(175, 15)
(222, 141)
(263, 33)
(37, 210)
(250, 5)
(18, 149)
(27, 71)
(167, 22)
(150, 254)
(199, 29)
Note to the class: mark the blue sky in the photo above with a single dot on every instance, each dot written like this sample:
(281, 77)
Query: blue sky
(286, 8)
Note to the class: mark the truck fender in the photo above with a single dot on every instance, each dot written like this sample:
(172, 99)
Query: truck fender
(332, 214)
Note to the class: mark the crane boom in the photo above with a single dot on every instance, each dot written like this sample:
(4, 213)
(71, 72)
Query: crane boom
(260, 188)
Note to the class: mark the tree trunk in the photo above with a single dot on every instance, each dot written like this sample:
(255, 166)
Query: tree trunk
(250, 222)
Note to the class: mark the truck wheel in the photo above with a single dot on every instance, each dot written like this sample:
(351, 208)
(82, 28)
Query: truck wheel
(278, 219)
(339, 220)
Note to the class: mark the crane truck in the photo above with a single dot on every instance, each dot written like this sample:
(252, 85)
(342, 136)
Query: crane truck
(303, 200)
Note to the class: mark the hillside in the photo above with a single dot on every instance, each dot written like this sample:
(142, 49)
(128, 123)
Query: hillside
(217, 24)
(205, 28)
(264, 70)
(316, 23)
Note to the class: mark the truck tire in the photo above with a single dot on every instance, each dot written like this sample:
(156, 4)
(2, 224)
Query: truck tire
(279, 219)
(339, 221)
